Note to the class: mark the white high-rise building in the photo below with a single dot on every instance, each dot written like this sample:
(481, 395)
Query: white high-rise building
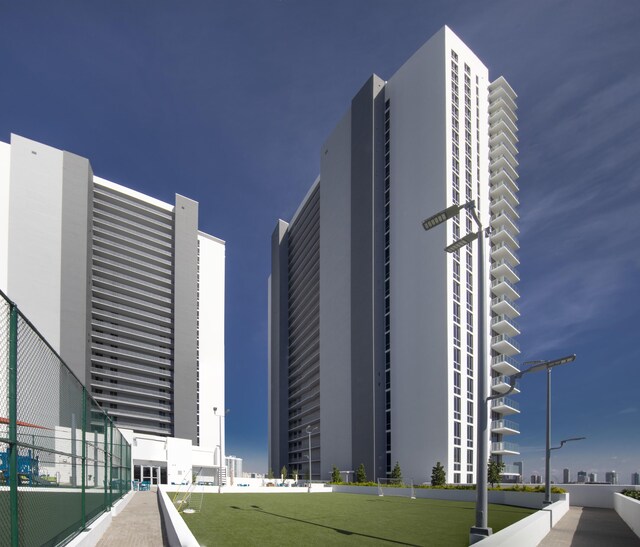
(374, 328)
(123, 286)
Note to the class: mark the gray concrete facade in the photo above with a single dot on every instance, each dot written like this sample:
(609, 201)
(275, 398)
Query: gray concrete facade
(185, 306)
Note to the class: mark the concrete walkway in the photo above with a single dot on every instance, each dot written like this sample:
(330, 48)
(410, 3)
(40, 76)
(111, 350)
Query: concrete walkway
(138, 525)
(590, 527)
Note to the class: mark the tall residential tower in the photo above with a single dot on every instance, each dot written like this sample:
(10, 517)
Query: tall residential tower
(373, 328)
(123, 286)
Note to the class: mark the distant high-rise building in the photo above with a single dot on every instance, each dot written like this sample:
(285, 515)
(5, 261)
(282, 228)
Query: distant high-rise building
(635, 479)
(566, 476)
(593, 477)
(374, 331)
(611, 477)
(122, 285)
(536, 479)
(582, 477)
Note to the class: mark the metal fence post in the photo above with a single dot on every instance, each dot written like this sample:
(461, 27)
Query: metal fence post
(84, 457)
(13, 422)
(106, 460)
(110, 464)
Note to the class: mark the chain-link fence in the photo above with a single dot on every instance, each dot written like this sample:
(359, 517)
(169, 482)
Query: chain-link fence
(62, 460)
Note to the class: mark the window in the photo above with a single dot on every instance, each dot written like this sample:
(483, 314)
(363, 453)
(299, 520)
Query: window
(470, 440)
(470, 412)
(456, 335)
(456, 290)
(456, 312)
(456, 385)
(470, 342)
(456, 432)
(456, 358)
(456, 408)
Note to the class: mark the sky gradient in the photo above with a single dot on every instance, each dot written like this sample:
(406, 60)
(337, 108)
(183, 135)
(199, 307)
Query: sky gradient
(228, 103)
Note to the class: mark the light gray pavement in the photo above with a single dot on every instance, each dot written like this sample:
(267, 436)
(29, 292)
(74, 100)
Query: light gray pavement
(138, 525)
(590, 527)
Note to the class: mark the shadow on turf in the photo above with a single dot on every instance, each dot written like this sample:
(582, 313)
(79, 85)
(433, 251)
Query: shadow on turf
(338, 530)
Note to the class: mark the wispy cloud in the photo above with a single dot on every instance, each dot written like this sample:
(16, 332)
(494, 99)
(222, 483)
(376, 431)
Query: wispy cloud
(629, 410)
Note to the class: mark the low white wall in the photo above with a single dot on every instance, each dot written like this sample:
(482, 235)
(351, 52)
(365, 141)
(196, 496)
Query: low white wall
(319, 487)
(529, 531)
(92, 535)
(594, 495)
(531, 500)
(178, 533)
(629, 511)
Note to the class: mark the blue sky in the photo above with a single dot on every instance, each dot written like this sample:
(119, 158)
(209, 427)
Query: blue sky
(228, 102)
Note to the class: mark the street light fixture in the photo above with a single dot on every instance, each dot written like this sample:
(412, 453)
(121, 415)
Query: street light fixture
(309, 431)
(544, 365)
(220, 416)
(481, 528)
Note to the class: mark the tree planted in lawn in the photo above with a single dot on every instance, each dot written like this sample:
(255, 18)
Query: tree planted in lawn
(438, 476)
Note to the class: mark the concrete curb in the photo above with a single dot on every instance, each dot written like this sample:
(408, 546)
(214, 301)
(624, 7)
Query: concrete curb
(178, 533)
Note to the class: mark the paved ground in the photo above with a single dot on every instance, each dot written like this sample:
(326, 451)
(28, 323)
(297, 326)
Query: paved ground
(138, 525)
(590, 527)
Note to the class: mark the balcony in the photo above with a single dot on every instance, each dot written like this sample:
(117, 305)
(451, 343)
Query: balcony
(504, 220)
(502, 139)
(501, 116)
(502, 287)
(502, 251)
(503, 306)
(504, 104)
(505, 449)
(502, 268)
(505, 427)
(505, 344)
(511, 470)
(501, 205)
(501, 88)
(505, 405)
(501, 158)
(504, 235)
(501, 126)
(502, 384)
(504, 325)
(502, 190)
(505, 365)
(508, 176)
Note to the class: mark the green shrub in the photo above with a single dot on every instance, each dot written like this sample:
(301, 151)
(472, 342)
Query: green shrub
(635, 494)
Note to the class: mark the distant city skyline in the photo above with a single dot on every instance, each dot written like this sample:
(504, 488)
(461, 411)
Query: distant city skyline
(229, 102)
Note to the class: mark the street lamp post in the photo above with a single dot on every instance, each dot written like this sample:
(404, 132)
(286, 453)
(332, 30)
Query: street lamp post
(309, 431)
(544, 365)
(220, 416)
(481, 528)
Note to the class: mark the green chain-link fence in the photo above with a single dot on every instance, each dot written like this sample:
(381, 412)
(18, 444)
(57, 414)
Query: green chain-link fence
(62, 460)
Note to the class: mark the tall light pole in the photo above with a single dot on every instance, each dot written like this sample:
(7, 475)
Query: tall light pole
(544, 365)
(309, 431)
(220, 416)
(481, 528)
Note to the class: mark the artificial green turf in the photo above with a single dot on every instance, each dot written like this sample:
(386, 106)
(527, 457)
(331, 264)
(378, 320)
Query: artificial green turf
(338, 519)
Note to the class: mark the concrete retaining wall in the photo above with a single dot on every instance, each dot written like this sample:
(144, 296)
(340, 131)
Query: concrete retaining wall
(178, 533)
(532, 500)
(529, 531)
(629, 511)
(594, 495)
